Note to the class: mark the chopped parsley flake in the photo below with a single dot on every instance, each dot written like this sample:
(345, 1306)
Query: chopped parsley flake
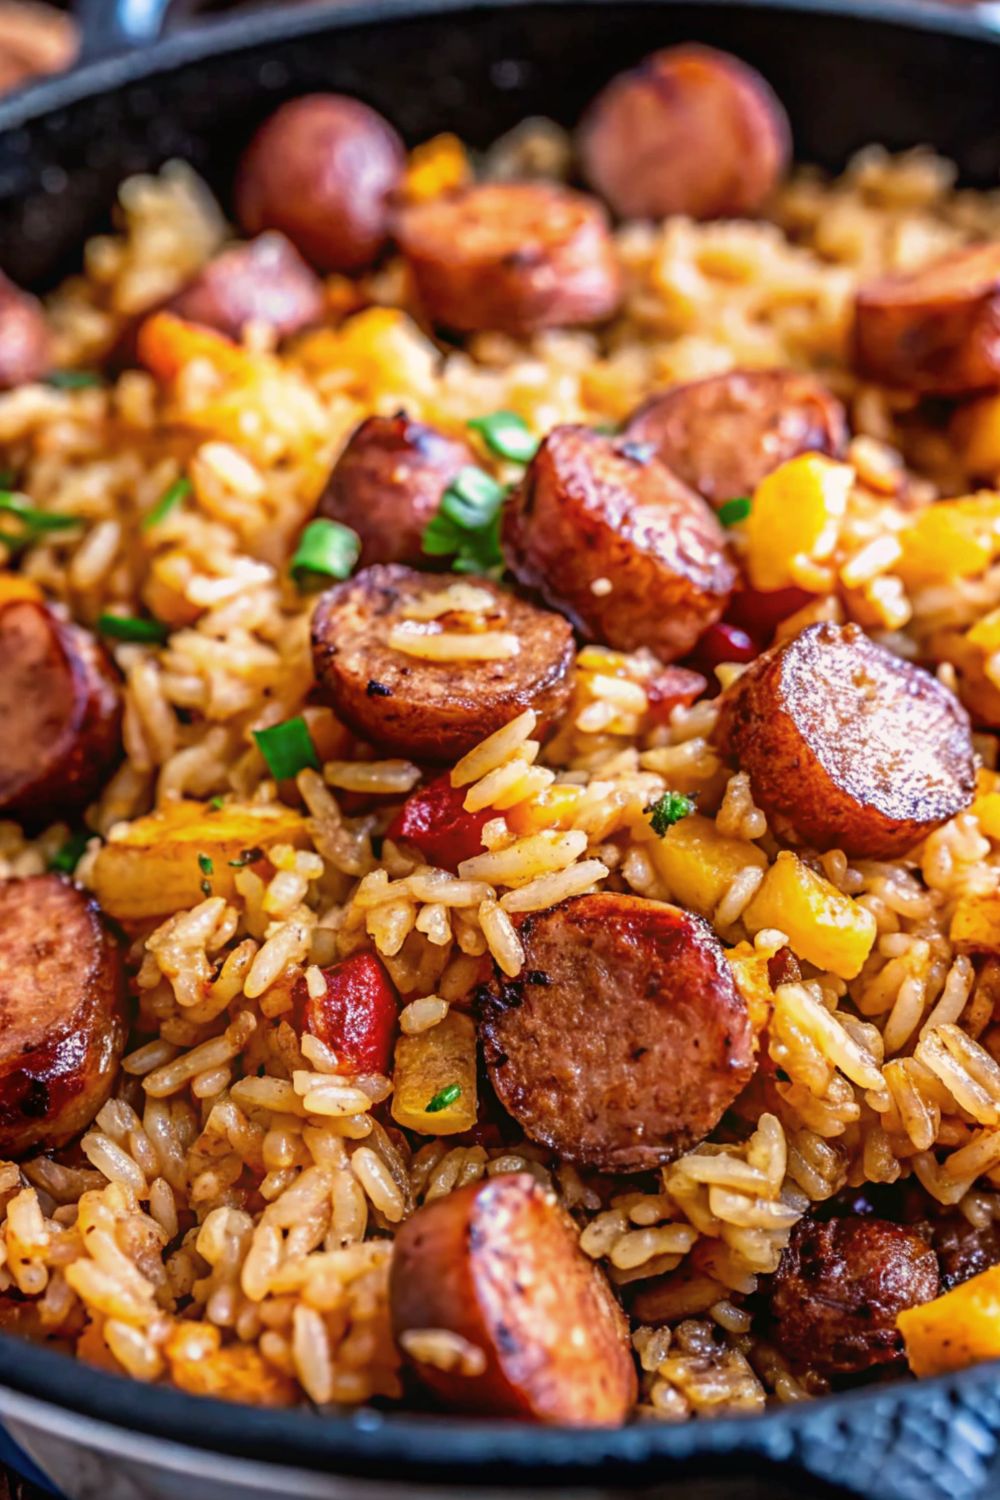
(668, 810)
(732, 512)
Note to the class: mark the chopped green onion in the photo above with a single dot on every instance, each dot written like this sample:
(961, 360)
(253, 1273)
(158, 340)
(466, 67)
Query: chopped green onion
(447, 1095)
(668, 810)
(326, 550)
(171, 497)
(73, 380)
(130, 628)
(731, 512)
(216, 804)
(246, 857)
(475, 495)
(205, 864)
(287, 748)
(467, 524)
(35, 523)
(66, 859)
(507, 435)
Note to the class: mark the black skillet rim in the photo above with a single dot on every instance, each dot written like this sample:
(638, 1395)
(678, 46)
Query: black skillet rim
(430, 1448)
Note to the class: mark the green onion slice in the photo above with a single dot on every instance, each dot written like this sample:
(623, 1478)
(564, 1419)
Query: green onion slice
(467, 524)
(441, 1100)
(326, 550)
(168, 501)
(66, 859)
(217, 803)
(668, 810)
(131, 628)
(73, 380)
(731, 512)
(287, 748)
(507, 435)
(205, 864)
(34, 521)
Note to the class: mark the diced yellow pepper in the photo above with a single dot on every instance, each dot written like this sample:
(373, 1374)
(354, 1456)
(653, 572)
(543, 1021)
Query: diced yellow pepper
(437, 166)
(13, 586)
(975, 431)
(986, 632)
(553, 808)
(951, 539)
(428, 1069)
(986, 807)
(959, 1329)
(797, 512)
(975, 924)
(698, 863)
(824, 926)
(151, 868)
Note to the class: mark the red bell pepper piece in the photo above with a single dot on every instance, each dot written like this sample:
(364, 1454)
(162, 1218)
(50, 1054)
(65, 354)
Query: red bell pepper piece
(670, 687)
(356, 1016)
(434, 819)
(760, 611)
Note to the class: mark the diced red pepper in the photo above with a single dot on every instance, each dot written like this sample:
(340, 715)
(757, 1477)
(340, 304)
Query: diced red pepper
(760, 611)
(722, 642)
(434, 819)
(670, 687)
(356, 1016)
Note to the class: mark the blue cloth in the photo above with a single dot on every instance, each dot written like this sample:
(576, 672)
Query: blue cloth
(13, 1457)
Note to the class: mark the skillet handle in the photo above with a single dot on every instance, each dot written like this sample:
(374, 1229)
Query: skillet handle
(110, 26)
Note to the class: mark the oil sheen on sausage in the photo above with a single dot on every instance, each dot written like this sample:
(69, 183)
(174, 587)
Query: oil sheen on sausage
(498, 1264)
(62, 1013)
(624, 1039)
(724, 434)
(860, 750)
(432, 711)
(60, 714)
(607, 534)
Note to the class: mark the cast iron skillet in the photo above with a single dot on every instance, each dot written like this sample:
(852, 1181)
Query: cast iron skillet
(849, 73)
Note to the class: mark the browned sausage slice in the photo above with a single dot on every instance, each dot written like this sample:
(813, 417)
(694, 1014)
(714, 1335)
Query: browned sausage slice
(62, 1012)
(513, 256)
(25, 351)
(322, 169)
(839, 1287)
(860, 750)
(388, 483)
(498, 1265)
(265, 282)
(934, 330)
(624, 1038)
(689, 131)
(610, 536)
(724, 434)
(60, 714)
(434, 710)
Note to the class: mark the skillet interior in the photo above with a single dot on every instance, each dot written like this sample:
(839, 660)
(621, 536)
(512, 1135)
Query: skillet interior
(848, 74)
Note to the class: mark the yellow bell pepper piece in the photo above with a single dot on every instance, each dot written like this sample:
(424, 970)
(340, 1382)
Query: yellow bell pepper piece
(975, 924)
(796, 513)
(553, 808)
(440, 165)
(824, 926)
(434, 1078)
(951, 539)
(959, 1329)
(986, 807)
(698, 863)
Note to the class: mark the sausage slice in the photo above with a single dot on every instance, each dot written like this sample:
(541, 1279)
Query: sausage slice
(611, 537)
(689, 131)
(624, 1038)
(724, 434)
(388, 483)
(498, 1264)
(62, 1013)
(513, 256)
(265, 281)
(839, 1287)
(25, 350)
(322, 170)
(935, 330)
(434, 710)
(860, 750)
(60, 714)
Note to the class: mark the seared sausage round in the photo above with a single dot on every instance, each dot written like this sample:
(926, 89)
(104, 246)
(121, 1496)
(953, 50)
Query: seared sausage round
(935, 330)
(624, 1038)
(388, 483)
(25, 351)
(860, 750)
(62, 1013)
(434, 710)
(724, 434)
(607, 534)
(962, 1249)
(60, 714)
(689, 131)
(513, 256)
(322, 169)
(498, 1264)
(265, 281)
(839, 1287)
